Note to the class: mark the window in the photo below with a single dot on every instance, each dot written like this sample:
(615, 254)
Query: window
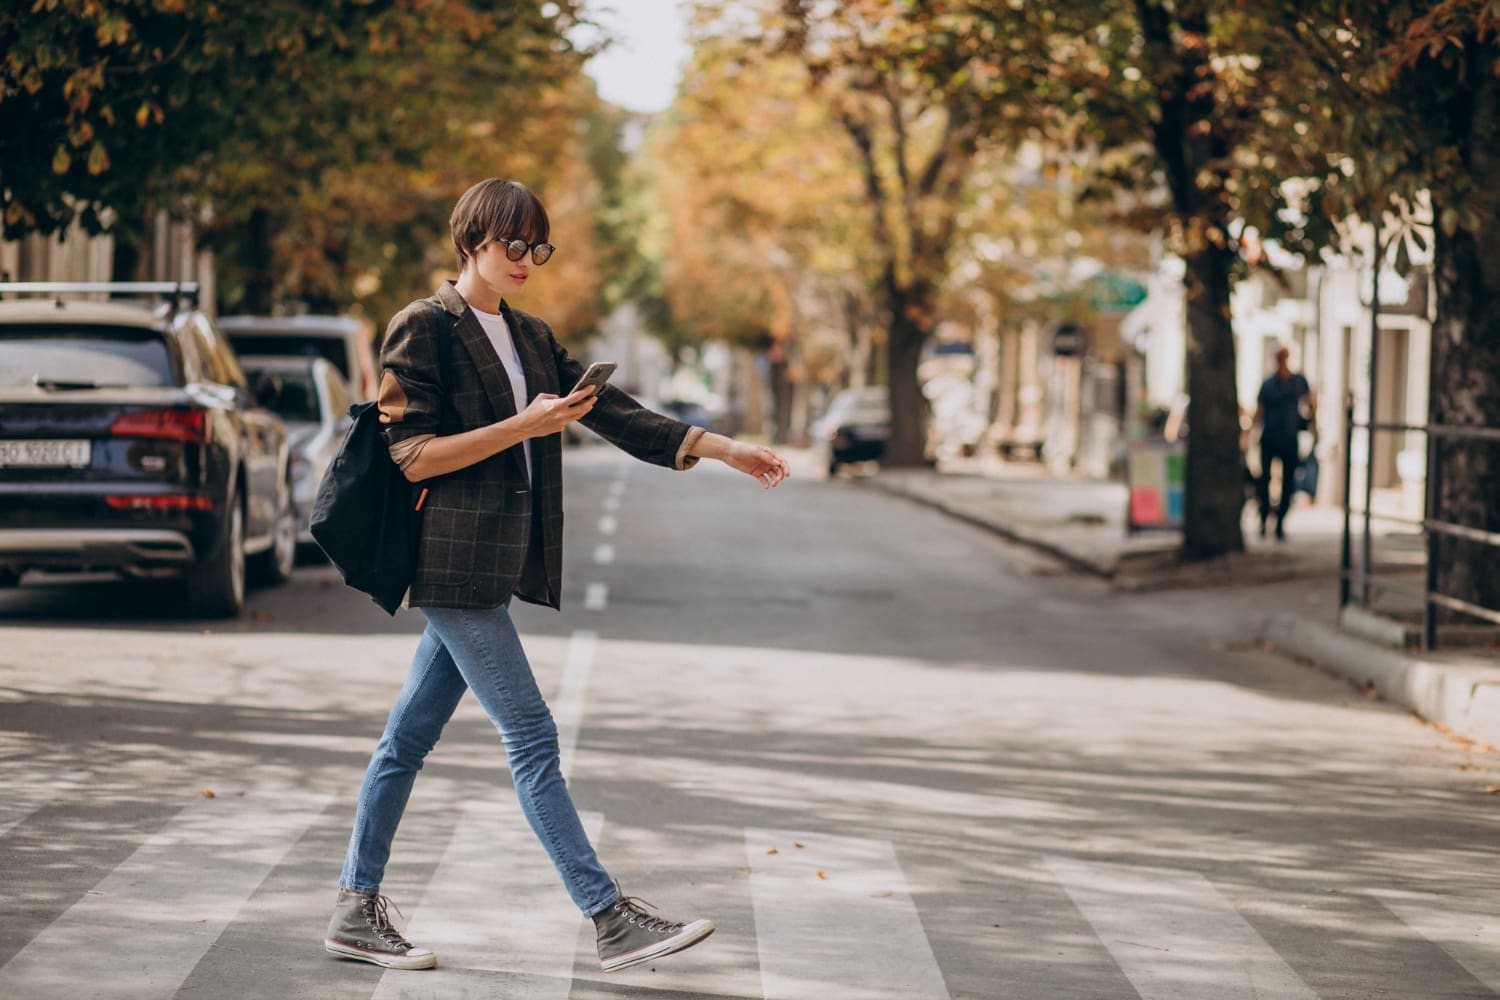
(218, 359)
(64, 356)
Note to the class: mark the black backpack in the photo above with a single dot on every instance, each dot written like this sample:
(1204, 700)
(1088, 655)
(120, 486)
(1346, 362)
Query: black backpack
(367, 516)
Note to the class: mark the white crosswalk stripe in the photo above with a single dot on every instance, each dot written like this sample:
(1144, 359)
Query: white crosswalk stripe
(146, 924)
(26, 793)
(1468, 932)
(1174, 936)
(496, 914)
(833, 918)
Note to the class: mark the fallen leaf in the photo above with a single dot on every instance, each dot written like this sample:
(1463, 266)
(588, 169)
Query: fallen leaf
(882, 895)
(822, 874)
(207, 793)
(240, 794)
(1491, 789)
(795, 844)
(773, 851)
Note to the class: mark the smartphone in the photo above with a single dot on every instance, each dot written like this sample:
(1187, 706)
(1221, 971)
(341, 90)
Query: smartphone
(596, 375)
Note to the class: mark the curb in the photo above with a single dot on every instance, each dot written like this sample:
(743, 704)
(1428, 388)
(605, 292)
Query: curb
(1104, 571)
(1466, 699)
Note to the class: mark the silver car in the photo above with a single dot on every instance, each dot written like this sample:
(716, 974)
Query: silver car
(343, 340)
(312, 399)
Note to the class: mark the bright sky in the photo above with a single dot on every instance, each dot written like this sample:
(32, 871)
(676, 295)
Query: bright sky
(640, 70)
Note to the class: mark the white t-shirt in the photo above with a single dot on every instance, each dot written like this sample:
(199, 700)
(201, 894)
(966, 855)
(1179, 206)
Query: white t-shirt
(505, 346)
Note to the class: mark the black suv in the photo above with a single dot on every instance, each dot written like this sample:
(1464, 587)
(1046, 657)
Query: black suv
(130, 441)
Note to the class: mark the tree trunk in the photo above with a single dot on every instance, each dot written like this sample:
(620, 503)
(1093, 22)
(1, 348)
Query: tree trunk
(1466, 357)
(1214, 493)
(781, 394)
(908, 444)
(259, 266)
(128, 259)
(1190, 137)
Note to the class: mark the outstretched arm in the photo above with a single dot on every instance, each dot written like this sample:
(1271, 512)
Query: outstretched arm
(751, 459)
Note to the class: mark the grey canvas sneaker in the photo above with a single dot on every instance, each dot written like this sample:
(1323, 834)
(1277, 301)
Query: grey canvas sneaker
(361, 929)
(630, 935)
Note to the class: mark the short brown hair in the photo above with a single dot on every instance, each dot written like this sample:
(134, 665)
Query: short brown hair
(496, 210)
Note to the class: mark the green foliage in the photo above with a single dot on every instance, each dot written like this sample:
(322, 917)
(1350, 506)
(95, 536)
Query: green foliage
(319, 146)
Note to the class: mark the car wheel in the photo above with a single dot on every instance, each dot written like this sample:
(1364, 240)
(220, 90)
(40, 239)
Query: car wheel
(216, 587)
(274, 566)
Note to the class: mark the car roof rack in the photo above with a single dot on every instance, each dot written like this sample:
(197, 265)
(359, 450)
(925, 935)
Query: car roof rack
(175, 291)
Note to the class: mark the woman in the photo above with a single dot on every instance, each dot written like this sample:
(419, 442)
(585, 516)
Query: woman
(474, 395)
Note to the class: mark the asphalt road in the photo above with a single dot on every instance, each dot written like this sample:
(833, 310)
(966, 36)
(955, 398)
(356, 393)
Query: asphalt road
(890, 756)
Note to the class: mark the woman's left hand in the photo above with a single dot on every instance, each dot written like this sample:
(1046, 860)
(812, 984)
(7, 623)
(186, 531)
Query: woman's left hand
(757, 461)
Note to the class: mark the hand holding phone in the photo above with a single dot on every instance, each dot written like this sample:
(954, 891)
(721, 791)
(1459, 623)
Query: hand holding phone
(595, 376)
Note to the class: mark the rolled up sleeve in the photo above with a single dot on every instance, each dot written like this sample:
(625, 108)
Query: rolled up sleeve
(685, 458)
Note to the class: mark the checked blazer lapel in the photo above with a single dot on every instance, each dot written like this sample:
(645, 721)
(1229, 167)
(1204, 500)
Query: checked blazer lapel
(486, 361)
(532, 362)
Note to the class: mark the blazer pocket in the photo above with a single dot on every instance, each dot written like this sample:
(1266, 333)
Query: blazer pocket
(446, 556)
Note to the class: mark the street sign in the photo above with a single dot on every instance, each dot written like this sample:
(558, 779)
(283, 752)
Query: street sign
(1155, 473)
(1067, 340)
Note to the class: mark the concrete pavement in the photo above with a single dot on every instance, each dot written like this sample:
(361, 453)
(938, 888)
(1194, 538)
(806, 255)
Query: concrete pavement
(1289, 589)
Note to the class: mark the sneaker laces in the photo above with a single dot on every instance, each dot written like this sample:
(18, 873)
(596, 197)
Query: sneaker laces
(378, 917)
(636, 910)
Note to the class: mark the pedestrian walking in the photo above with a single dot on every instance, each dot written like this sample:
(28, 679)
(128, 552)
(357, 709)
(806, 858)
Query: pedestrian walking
(474, 395)
(1284, 408)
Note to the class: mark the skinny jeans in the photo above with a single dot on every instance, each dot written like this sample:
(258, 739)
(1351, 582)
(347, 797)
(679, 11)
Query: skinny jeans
(479, 651)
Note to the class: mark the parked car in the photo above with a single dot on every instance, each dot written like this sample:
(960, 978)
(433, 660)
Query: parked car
(343, 340)
(312, 399)
(130, 442)
(856, 427)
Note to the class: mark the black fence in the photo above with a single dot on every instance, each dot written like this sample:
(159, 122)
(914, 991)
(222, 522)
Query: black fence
(1433, 525)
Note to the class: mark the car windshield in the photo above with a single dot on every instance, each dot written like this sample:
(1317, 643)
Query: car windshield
(56, 356)
(293, 344)
(864, 407)
(296, 399)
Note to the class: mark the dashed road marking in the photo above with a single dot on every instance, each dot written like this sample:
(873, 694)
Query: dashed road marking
(571, 695)
(595, 596)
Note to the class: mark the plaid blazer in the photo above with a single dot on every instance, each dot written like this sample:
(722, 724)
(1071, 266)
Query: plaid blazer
(489, 531)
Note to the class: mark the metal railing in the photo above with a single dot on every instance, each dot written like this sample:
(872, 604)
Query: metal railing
(1432, 524)
(177, 291)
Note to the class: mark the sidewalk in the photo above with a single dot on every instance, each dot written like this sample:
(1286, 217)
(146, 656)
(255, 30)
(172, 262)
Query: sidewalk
(1082, 523)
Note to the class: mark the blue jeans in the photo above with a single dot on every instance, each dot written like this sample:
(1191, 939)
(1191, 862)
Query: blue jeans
(481, 652)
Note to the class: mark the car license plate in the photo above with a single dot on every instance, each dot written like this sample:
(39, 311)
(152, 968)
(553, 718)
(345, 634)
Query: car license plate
(44, 454)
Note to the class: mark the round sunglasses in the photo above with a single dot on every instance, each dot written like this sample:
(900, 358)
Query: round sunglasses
(516, 249)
